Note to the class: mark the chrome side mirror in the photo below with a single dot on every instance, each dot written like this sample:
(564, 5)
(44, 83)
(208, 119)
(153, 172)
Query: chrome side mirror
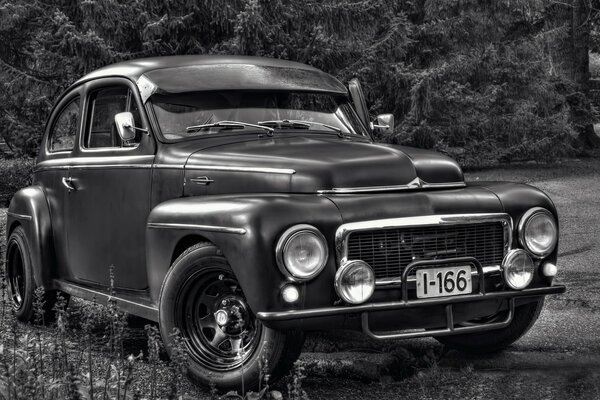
(126, 126)
(384, 124)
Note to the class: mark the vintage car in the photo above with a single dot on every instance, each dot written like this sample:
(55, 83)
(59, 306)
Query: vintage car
(244, 201)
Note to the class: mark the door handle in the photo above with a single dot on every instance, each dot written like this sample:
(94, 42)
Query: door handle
(202, 180)
(69, 183)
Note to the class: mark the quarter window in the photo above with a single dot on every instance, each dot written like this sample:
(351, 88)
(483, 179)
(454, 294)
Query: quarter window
(62, 136)
(104, 104)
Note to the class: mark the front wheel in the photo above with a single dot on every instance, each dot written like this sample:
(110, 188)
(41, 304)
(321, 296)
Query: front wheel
(225, 342)
(499, 339)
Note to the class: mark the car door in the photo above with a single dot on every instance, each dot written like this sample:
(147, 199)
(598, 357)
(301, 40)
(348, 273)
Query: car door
(109, 199)
(52, 168)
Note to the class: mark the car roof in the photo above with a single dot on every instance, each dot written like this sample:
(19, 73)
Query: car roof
(176, 74)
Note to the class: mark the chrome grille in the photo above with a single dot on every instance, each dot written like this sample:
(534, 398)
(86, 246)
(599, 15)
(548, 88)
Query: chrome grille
(390, 250)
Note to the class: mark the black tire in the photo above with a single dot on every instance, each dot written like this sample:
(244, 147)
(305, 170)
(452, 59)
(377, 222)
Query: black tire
(499, 339)
(199, 282)
(20, 280)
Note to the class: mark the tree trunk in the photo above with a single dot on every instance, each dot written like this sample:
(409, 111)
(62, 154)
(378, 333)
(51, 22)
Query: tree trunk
(570, 59)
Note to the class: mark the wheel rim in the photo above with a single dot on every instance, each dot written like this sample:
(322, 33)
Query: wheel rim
(15, 275)
(220, 345)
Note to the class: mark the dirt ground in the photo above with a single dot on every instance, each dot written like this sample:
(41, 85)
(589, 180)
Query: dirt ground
(559, 358)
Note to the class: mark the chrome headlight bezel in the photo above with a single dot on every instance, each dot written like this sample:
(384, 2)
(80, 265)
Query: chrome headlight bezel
(522, 231)
(341, 290)
(283, 244)
(507, 265)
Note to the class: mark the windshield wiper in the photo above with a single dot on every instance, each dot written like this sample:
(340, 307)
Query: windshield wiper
(228, 125)
(294, 123)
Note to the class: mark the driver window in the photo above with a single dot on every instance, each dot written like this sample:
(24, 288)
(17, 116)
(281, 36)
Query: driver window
(103, 105)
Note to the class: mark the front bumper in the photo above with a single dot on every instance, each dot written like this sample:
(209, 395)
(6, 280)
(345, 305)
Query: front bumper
(365, 310)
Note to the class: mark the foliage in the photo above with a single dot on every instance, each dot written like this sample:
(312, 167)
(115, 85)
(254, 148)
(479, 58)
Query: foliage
(469, 78)
(15, 174)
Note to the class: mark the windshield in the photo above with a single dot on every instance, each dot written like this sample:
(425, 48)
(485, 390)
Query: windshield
(203, 113)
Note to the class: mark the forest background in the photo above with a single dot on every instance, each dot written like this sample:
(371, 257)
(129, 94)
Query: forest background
(486, 82)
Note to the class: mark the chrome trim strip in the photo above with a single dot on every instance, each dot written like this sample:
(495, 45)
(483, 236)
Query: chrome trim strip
(344, 230)
(209, 228)
(443, 185)
(285, 171)
(95, 166)
(168, 166)
(49, 167)
(415, 184)
(140, 161)
(19, 216)
(93, 150)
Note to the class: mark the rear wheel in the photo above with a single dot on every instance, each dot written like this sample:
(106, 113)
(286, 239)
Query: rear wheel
(499, 339)
(21, 281)
(225, 342)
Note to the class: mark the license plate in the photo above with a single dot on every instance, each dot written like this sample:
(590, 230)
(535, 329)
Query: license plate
(447, 281)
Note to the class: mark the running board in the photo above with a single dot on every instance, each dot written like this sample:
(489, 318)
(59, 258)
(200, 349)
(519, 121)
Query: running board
(140, 306)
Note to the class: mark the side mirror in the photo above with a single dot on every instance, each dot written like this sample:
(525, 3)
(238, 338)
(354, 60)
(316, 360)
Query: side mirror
(384, 124)
(125, 126)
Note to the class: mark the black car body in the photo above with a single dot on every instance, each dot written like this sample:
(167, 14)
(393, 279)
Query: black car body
(139, 202)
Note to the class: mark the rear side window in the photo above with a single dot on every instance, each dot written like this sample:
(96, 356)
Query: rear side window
(62, 136)
(104, 104)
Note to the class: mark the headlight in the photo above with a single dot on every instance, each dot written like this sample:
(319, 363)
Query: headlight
(355, 282)
(301, 252)
(517, 268)
(538, 232)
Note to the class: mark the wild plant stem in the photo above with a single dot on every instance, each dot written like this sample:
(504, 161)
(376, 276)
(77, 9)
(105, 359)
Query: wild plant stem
(91, 379)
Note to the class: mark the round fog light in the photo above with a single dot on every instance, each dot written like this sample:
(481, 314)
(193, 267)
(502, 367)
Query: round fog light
(290, 294)
(355, 282)
(549, 270)
(518, 269)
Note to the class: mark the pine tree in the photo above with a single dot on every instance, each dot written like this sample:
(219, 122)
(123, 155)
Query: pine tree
(470, 78)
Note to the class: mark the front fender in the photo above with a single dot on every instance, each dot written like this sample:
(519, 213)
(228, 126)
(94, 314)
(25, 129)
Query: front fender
(516, 199)
(246, 230)
(29, 209)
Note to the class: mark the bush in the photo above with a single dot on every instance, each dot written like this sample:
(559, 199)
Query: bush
(15, 174)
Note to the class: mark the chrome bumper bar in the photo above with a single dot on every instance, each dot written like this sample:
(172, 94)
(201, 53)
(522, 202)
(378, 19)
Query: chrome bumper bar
(403, 304)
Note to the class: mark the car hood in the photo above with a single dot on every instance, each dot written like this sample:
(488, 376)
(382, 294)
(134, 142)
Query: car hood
(314, 164)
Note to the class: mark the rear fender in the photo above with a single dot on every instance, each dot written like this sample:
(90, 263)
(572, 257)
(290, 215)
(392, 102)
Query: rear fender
(29, 209)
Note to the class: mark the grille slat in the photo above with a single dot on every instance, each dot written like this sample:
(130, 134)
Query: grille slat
(389, 251)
